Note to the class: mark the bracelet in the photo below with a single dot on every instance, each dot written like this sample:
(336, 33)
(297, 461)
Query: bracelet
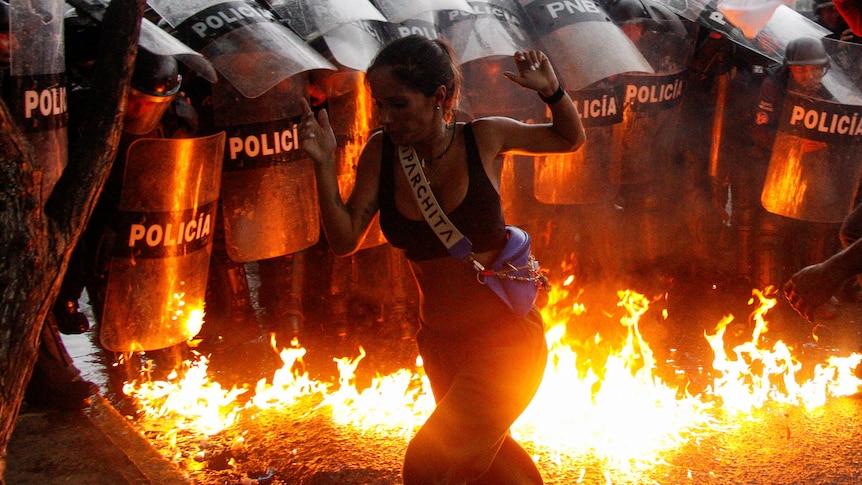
(558, 95)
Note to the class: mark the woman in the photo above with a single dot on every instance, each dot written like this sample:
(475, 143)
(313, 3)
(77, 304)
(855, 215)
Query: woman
(483, 362)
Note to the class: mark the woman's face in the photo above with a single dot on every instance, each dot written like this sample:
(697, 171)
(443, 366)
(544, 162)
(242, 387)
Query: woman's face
(404, 113)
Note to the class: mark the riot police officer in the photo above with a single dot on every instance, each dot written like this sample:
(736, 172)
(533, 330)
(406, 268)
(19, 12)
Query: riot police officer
(776, 252)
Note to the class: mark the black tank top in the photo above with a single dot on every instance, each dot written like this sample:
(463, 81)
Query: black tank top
(479, 216)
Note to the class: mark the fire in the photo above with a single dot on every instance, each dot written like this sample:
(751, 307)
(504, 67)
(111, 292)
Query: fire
(374, 408)
(599, 398)
(755, 373)
(623, 414)
(191, 402)
(288, 385)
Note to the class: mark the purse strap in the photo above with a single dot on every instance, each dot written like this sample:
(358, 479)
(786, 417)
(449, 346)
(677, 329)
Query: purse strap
(457, 244)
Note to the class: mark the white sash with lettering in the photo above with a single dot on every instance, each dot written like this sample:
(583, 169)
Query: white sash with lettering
(456, 243)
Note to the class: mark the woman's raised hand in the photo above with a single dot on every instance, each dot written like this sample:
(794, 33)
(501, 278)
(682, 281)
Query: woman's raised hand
(316, 136)
(534, 72)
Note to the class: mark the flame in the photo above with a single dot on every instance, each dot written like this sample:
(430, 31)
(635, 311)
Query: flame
(288, 383)
(374, 409)
(622, 413)
(755, 373)
(190, 402)
(599, 397)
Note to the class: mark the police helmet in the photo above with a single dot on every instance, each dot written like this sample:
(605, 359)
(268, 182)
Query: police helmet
(805, 51)
(154, 83)
(627, 10)
(155, 75)
(622, 11)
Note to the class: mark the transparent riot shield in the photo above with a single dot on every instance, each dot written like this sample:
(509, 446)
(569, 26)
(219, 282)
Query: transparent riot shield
(269, 200)
(397, 11)
(485, 40)
(584, 177)
(158, 272)
(159, 42)
(313, 18)
(582, 42)
(347, 29)
(424, 24)
(784, 25)
(354, 45)
(242, 40)
(644, 141)
(816, 160)
(492, 28)
(843, 79)
(35, 90)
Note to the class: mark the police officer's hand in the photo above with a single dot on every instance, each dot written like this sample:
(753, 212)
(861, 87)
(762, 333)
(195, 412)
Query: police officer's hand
(534, 72)
(848, 36)
(316, 136)
(811, 287)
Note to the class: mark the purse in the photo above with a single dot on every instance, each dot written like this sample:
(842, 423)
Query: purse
(514, 276)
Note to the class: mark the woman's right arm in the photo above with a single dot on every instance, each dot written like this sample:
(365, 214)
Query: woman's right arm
(344, 224)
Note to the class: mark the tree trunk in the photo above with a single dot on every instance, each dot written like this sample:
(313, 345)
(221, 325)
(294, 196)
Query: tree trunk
(37, 237)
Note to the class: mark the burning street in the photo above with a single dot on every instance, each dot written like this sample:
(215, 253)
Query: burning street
(726, 404)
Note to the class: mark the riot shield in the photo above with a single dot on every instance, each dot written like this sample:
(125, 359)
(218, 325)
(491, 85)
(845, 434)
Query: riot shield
(424, 24)
(492, 28)
(843, 79)
(314, 18)
(816, 160)
(584, 177)
(158, 273)
(242, 41)
(354, 45)
(784, 25)
(485, 40)
(582, 42)
(644, 141)
(159, 42)
(348, 29)
(269, 201)
(35, 90)
(397, 11)
(154, 39)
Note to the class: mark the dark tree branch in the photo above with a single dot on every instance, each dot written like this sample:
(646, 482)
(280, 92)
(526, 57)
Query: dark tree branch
(35, 244)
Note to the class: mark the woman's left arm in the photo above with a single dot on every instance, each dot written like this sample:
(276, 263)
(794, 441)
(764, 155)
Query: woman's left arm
(564, 134)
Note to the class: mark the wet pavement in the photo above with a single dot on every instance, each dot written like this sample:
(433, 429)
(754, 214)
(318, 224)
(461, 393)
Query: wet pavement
(89, 447)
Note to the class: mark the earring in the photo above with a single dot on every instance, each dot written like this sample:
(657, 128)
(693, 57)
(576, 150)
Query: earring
(437, 108)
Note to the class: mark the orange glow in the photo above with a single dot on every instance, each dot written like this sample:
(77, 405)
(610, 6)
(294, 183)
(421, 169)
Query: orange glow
(358, 129)
(621, 413)
(623, 416)
(571, 178)
(187, 317)
(191, 402)
(796, 164)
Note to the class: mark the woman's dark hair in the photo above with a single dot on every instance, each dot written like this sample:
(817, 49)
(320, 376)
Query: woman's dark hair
(422, 64)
